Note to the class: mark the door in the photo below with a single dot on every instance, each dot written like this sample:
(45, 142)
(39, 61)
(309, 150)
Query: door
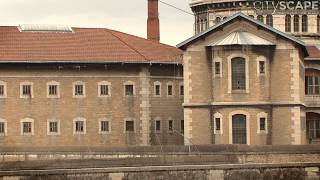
(239, 129)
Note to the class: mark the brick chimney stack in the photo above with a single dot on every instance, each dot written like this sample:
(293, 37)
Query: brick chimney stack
(153, 30)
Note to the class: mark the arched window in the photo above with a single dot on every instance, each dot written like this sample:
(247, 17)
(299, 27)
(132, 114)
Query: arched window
(218, 19)
(296, 23)
(269, 20)
(239, 129)
(205, 24)
(304, 23)
(198, 25)
(238, 69)
(224, 18)
(251, 16)
(260, 18)
(288, 23)
(201, 25)
(318, 24)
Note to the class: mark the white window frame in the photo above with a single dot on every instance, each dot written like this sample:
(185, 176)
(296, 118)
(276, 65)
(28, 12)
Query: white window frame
(155, 124)
(134, 125)
(217, 115)
(168, 130)
(154, 88)
(74, 87)
(21, 89)
(217, 59)
(21, 127)
(84, 126)
(181, 85)
(54, 83)
(5, 127)
(168, 84)
(246, 58)
(48, 127)
(107, 83)
(261, 59)
(124, 88)
(4, 84)
(262, 115)
(100, 123)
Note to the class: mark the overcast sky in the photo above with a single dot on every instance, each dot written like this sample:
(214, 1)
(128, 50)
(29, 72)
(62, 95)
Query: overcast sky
(128, 16)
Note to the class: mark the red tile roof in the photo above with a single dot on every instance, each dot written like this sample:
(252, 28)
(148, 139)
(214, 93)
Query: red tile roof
(82, 45)
(314, 52)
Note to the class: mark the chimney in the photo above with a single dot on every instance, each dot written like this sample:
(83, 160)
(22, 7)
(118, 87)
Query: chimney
(153, 30)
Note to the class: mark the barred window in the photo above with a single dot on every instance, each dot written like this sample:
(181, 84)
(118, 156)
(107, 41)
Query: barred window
(53, 90)
(104, 126)
(26, 90)
(104, 90)
(78, 90)
(260, 18)
(2, 128)
(79, 126)
(27, 127)
(296, 23)
(288, 23)
(53, 127)
(238, 73)
(269, 20)
(304, 23)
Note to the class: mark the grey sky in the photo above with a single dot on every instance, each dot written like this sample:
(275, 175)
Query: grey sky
(124, 15)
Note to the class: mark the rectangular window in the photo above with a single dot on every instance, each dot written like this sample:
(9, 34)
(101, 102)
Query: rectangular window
(53, 90)
(312, 85)
(2, 93)
(316, 85)
(104, 90)
(26, 90)
(169, 90)
(217, 68)
(78, 90)
(313, 129)
(2, 128)
(157, 90)
(182, 126)
(218, 125)
(158, 125)
(129, 126)
(79, 126)
(262, 124)
(27, 127)
(53, 127)
(129, 90)
(104, 126)
(170, 125)
(262, 67)
(181, 90)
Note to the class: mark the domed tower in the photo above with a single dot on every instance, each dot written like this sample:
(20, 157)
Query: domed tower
(300, 18)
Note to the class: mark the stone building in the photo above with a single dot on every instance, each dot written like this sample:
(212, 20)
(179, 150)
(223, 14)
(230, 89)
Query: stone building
(245, 84)
(62, 86)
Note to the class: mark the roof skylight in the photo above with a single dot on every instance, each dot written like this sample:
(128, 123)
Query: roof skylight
(44, 28)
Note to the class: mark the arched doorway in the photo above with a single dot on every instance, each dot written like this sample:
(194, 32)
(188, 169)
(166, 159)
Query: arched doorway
(239, 129)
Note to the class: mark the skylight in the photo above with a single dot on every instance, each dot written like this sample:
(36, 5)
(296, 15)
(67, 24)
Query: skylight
(44, 28)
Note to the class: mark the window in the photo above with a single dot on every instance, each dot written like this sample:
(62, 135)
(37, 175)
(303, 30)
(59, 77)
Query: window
(262, 67)
(296, 23)
(158, 125)
(269, 20)
(79, 89)
(304, 23)
(318, 24)
(3, 127)
(201, 25)
(260, 18)
(157, 89)
(53, 89)
(3, 89)
(217, 123)
(313, 128)
(224, 18)
(170, 125)
(262, 123)
(27, 126)
(182, 126)
(129, 89)
(169, 89)
(312, 85)
(129, 126)
(288, 23)
(104, 126)
(79, 126)
(53, 127)
(181, 90)
(238, 73)
(26, 90)
(104, 89)
(218, 19)
(251, 16)
(217, 68)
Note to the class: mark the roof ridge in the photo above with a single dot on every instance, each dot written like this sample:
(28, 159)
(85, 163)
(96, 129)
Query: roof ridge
(110, 31)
